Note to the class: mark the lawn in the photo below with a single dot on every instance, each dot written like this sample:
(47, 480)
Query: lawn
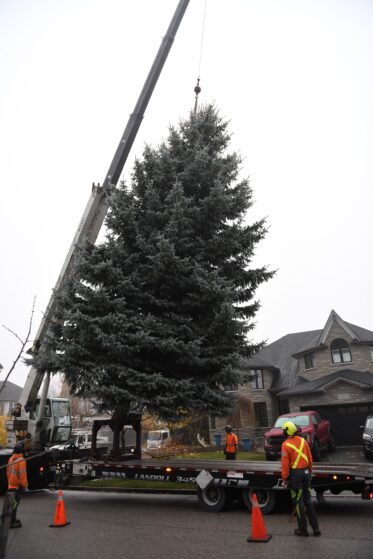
(218, 455)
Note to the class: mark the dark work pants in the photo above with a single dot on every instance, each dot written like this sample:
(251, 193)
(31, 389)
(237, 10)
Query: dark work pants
(17, 497)
(300, 490)
(230, 456)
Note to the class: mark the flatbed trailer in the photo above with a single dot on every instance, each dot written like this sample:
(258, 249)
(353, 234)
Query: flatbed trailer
(220, 481)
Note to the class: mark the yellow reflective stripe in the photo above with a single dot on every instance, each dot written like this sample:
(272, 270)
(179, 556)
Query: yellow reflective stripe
(300, 453)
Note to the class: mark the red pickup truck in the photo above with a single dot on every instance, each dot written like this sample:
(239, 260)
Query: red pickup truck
(315, 430)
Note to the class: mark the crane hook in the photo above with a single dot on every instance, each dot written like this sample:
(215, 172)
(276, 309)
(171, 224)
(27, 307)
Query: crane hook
(197, 91)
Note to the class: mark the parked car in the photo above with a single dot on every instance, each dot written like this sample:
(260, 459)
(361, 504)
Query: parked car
(316, 431)
(368, 437)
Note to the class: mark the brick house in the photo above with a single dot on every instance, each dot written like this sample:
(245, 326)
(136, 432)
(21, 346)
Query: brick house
(328, 370)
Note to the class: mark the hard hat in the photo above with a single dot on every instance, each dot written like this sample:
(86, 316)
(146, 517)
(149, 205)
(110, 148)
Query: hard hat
(289, 428)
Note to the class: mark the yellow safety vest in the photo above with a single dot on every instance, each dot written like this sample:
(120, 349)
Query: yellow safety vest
(299, 452)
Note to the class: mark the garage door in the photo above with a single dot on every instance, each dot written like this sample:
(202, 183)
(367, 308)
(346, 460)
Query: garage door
(345, 421)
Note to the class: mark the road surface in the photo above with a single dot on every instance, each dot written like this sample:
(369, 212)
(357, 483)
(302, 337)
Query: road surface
(136, 526)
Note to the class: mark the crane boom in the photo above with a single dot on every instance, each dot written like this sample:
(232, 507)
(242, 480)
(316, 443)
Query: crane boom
(95, 211)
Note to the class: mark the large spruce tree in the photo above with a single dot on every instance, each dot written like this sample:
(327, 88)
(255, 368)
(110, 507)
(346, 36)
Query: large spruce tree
(157, 317)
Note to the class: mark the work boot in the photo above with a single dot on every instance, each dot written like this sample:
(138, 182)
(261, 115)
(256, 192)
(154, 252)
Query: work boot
(299, 532)
(16, 524)
(317, 532)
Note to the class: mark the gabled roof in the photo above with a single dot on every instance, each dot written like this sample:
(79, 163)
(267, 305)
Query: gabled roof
(282, 355)
(362, 334)
(11, 392)
(279, 356)
(357, 333)
(361, 378)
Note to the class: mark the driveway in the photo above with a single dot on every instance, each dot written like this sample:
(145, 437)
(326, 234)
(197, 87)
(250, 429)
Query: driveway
(346, 455)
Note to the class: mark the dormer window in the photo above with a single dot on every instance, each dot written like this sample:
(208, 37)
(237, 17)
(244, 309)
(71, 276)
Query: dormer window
(309, 359)
(340, 351)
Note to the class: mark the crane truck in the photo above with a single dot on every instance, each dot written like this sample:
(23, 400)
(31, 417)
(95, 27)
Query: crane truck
(48, 420)
(42, 421)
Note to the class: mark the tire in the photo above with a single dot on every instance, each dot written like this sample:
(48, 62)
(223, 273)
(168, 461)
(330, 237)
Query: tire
(212, 498)
(316, 455)
(266, 499)
(331, 444)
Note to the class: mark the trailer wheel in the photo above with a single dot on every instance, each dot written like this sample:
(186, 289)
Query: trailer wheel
(212, 498)
(266, 499)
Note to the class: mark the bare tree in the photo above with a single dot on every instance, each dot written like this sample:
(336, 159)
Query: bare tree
(23, 344)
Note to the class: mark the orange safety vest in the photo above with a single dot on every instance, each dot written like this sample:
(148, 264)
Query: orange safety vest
(231, 443)
(295, 453)
(16, 472)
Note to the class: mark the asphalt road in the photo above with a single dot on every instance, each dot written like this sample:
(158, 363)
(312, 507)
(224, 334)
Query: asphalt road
(135, 526)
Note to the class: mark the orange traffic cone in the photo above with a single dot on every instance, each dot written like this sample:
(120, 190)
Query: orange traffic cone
(258, 529)
(60, 516)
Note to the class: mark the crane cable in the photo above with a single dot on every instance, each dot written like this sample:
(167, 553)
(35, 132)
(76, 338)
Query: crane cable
(197, 89)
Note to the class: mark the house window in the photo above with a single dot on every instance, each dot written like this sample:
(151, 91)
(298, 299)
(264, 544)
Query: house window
(371, 352)
(256, 376)
(212, 422)
(340, 351)
(309, 360)
(260, 411)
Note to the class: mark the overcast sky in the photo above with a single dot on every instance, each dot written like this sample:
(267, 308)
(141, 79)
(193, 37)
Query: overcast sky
(294, 77)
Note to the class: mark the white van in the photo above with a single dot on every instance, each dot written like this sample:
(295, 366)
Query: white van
(158, 438)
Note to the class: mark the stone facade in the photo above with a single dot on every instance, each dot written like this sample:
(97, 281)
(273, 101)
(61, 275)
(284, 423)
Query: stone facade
(283, 364)
(340, 392)
(323, 364)
(245, 420)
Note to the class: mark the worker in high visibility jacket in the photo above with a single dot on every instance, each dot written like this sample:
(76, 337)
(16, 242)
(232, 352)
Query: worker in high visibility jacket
(231, 444)
(296, 467)
(17, 480)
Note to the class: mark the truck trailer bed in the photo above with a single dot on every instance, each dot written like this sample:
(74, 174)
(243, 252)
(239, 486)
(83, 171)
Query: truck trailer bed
(216, 480)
